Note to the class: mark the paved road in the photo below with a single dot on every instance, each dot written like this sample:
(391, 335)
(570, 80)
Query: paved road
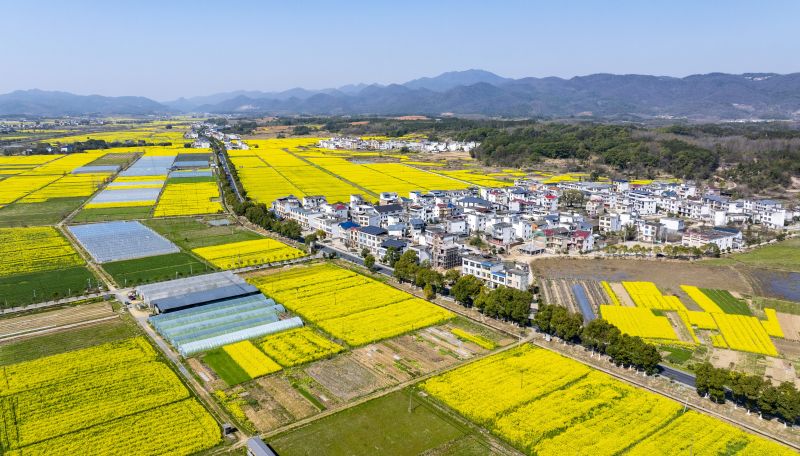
(231, 181)
(678, 375)
(353, 258)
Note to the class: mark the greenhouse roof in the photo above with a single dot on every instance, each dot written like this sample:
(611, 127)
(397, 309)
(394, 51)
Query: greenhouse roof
(116, 241)
(197, 298)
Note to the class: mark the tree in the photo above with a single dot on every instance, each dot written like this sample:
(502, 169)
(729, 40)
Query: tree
(405, 269)
(290, 229)
(572, 198)
(599, 334)
(429, 293)
(768, 401)
(746, 389)
(565, 324)
(466, 289)
(788, 404)
(710, 380)
(543, 317)
(505, 303)
(364, 252)
(427, 276)
(451, 276)
(477, 241)
(629, 232)
(391, 257)
(369, 261)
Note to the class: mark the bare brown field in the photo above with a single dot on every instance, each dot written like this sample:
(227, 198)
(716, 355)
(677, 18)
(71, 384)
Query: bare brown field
(668, 275)
(276, 400)
(39, 323)
(346, 378)
(273, 402)
(790, 324)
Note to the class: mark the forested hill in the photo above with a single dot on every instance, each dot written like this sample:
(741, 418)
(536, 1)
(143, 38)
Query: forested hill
(709, 97)
(756, 158)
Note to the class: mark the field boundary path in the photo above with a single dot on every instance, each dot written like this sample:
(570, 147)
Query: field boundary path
(221, 415)
(389, 390)
(42, 305)
(690, 399)
(685, 381)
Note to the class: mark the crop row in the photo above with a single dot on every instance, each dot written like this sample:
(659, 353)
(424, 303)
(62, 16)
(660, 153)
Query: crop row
(298, 346)
(35, 249)
(349, 306)
(546, 404)
(188, 199)
(97, 401)
(240, 254)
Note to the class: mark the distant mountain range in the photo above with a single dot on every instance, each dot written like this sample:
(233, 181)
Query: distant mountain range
(711, 96)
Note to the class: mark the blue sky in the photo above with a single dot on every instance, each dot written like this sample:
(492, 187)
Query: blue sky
(165, 49)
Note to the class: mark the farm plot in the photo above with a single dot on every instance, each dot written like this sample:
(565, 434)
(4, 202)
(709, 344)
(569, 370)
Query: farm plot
(124, 192)
(46, 322)
(193, 232)
(247, 253)
(377, 178)
(744, 333)
(81, 401)
(193, 198)
(347, 305)
(155, 268)
(726, 302)
(272, 173)
(117, 241)
(69, 186)
(546, 404)
(250, 359)
(298, 346)
(384, 426)
(476, 178)
(27, 250)
(638, 321)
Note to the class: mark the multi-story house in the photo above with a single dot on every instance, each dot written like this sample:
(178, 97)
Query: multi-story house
(494, 273)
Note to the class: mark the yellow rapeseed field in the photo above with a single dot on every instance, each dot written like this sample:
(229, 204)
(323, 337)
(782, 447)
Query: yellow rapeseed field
(647, 295)
(476, 339)
(249, 358)
(25, 250)
(546, 404)
(638, 321)
(348, 305)
(298, 346)
(193, 198)
(95, 400)
(247, 253)
(772, 326)
(745, 333)
(611, 295)
(705, 303)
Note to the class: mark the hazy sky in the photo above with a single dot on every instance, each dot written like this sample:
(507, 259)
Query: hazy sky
(165, 49)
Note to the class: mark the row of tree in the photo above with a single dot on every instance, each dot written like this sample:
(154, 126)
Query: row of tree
(753, 392)
(598, 335)
(408, 268)
(504, 303)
